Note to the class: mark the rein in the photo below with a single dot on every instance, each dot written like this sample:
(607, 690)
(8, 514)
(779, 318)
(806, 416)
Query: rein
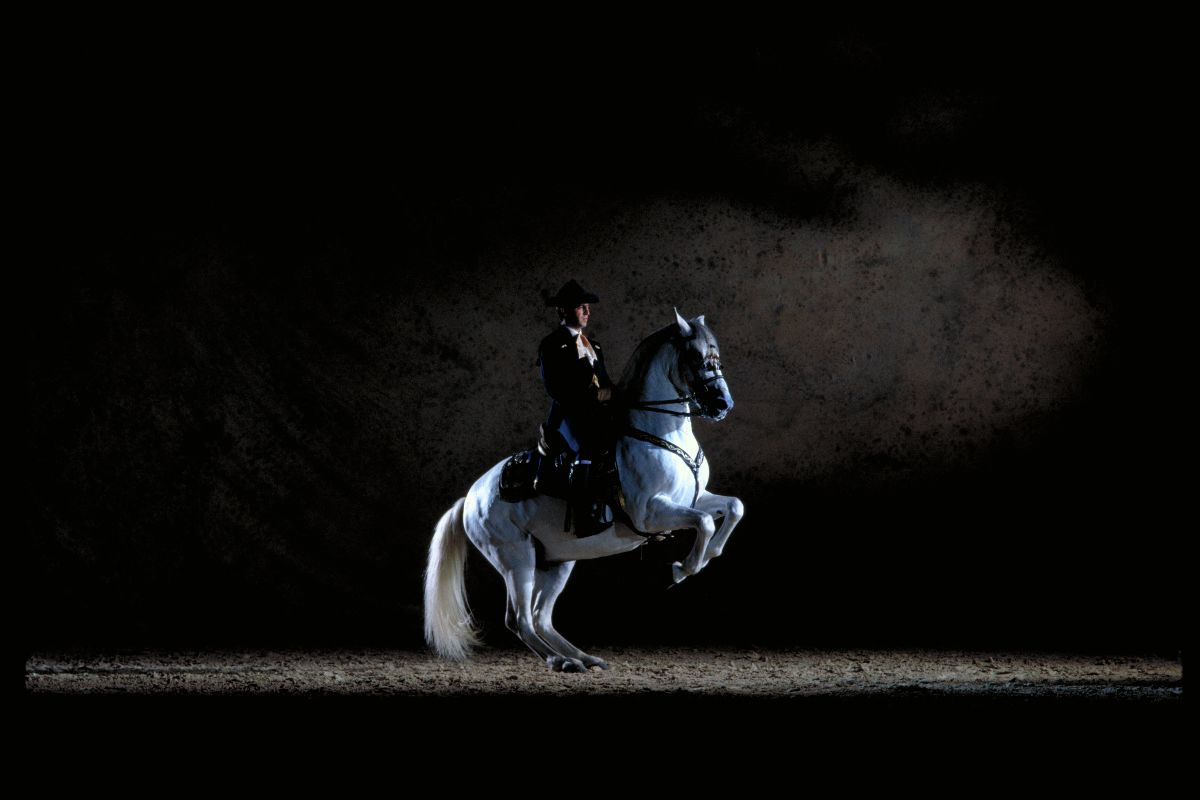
(648, 405)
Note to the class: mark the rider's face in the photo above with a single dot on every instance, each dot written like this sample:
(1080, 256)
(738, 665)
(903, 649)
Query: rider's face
(578, 316)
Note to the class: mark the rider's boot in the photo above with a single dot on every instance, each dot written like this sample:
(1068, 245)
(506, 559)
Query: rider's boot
(587, 513)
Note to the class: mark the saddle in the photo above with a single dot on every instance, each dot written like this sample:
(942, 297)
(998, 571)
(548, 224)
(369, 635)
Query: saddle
(551, 469)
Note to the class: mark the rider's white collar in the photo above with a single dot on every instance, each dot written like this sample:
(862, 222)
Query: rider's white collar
(584, 352)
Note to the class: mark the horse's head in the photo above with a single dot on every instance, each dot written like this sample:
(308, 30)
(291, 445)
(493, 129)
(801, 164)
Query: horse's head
(699, 367)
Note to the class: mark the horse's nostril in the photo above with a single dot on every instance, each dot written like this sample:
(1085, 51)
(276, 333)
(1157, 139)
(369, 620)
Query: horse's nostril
(721, 404)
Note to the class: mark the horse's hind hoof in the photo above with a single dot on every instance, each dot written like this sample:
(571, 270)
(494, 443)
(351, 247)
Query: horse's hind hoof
(564, 664)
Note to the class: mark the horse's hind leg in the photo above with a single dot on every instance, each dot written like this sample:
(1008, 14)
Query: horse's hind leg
(519, 579)
(548, 585)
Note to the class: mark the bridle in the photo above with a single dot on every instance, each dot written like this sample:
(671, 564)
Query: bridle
(708, 374)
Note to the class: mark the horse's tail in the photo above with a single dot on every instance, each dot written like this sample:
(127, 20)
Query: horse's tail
(449, 629)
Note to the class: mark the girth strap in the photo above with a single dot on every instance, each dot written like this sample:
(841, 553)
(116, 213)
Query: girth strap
(693, 464)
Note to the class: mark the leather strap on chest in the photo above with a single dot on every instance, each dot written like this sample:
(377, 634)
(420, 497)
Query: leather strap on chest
(693, 463)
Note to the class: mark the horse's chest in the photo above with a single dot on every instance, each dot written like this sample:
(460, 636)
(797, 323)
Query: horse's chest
(679, 473)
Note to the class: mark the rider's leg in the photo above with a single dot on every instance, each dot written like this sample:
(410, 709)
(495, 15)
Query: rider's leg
(587, 512)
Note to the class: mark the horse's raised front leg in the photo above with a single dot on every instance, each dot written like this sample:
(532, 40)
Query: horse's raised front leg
(731, 509)
(548, 583)
(667, 515)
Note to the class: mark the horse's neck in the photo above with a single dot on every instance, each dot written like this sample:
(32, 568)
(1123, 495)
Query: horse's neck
(657, 386)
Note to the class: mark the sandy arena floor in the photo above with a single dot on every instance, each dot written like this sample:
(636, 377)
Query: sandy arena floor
(634, 672)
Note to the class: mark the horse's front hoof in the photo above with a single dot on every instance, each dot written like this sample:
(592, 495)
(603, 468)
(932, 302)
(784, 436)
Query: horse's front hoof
(596, 662)
(677, 573)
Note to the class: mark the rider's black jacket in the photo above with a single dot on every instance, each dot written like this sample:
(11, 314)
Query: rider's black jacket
(573, 383)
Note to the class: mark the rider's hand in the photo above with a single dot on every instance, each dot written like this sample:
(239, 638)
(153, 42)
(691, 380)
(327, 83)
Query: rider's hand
(604, 395)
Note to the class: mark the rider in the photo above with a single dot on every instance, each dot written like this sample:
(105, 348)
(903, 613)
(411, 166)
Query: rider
(578, 384)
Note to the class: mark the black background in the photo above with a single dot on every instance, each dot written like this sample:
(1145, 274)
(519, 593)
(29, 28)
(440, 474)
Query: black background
(259, 190)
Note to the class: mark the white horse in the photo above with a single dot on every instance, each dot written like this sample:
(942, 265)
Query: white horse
(674, 374)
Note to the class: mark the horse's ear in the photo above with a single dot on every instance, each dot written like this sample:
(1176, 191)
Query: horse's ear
(700, 319)
(684, 328)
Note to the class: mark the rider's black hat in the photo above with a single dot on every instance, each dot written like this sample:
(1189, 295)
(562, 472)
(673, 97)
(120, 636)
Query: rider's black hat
(570, 295)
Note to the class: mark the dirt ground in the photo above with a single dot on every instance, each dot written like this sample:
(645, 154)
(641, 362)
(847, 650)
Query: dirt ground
(634, 672)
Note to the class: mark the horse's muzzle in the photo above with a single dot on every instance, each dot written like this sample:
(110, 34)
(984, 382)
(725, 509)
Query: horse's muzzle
(716, 401)
(719, 408)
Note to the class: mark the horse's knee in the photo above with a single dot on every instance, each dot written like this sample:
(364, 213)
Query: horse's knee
(707, 526)
(736, 509)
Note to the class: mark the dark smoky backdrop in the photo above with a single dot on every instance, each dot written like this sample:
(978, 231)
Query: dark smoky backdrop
(288, 304)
